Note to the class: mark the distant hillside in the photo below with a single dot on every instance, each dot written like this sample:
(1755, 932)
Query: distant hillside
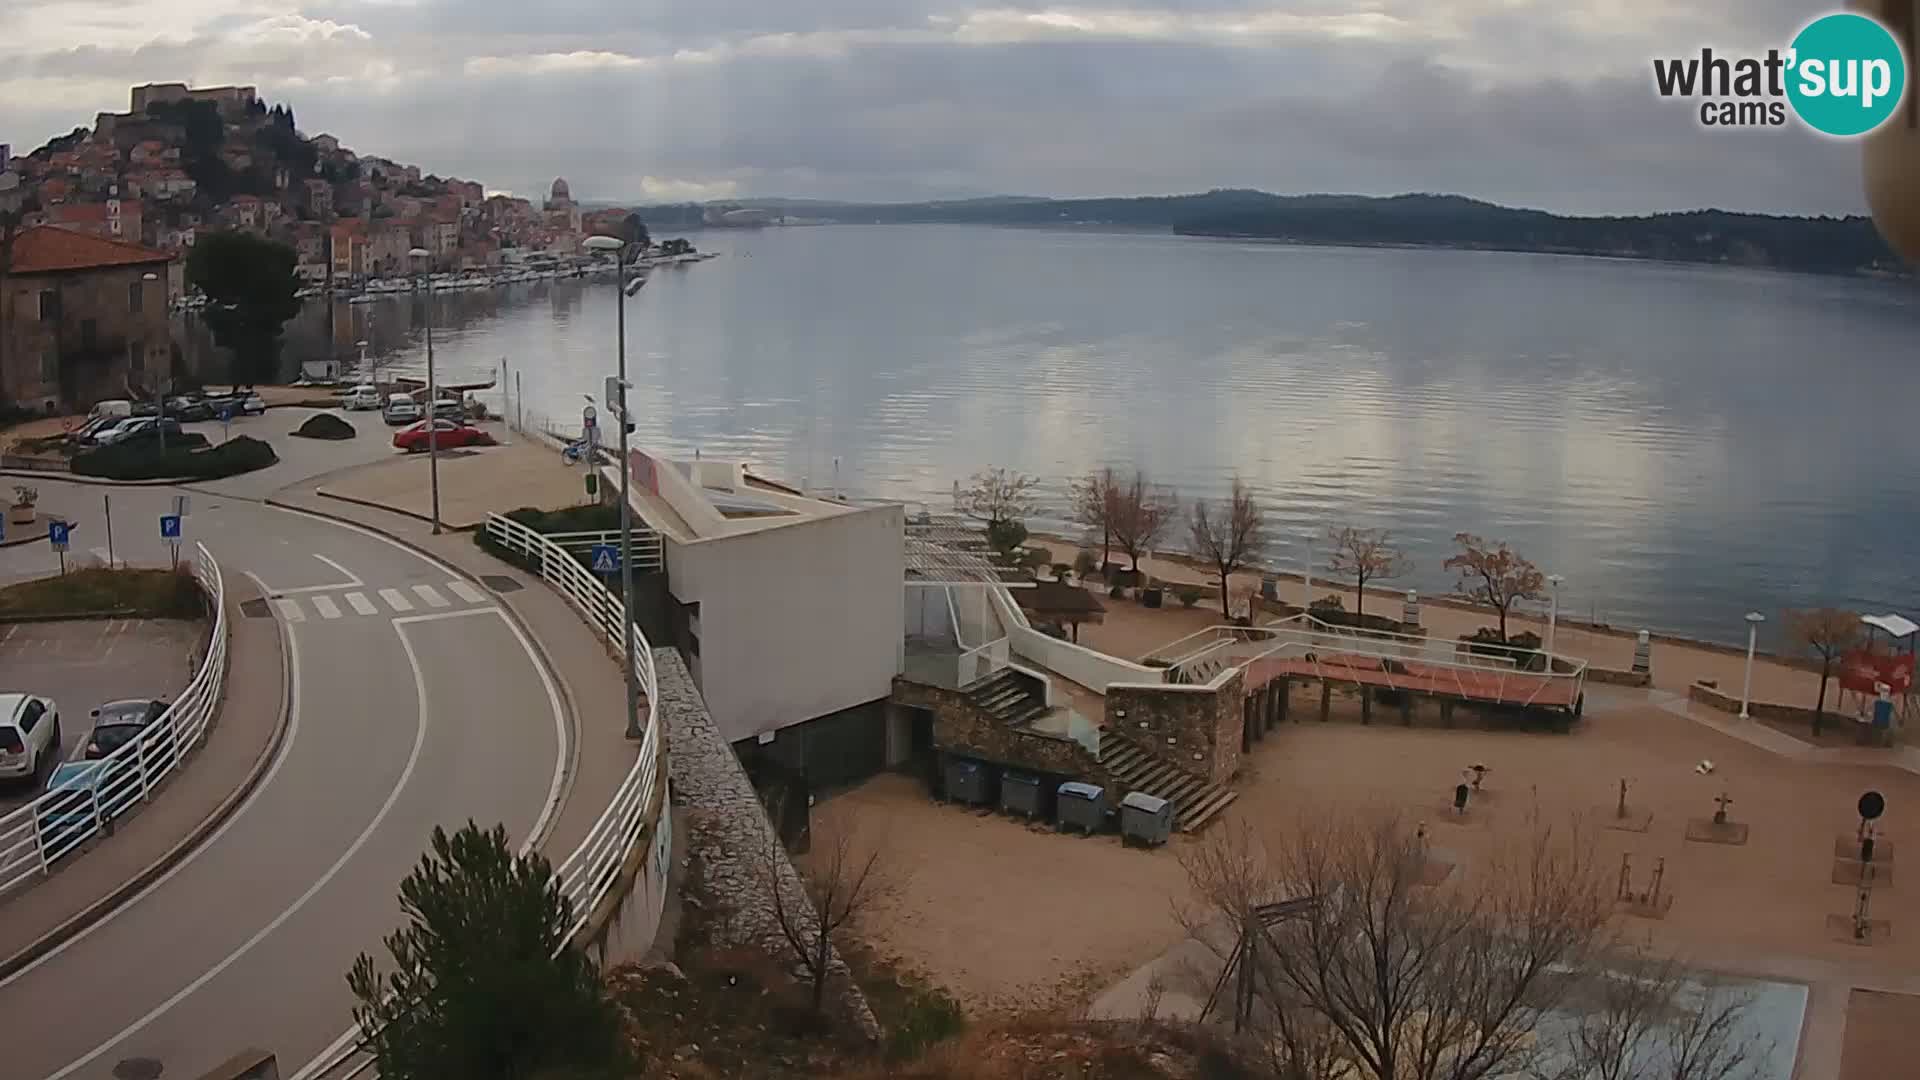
(1824, 245)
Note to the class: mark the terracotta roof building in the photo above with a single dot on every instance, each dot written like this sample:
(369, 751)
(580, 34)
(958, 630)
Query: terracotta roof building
(81, 318)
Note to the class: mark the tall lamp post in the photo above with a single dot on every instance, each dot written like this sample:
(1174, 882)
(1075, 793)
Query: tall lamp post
(1754, 619)
(160, 385)
(1553, 614)
(420, 257)
(619, 408)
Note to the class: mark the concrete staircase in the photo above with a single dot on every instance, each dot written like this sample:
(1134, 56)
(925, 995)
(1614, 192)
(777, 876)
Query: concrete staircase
(1008, 697)
(1134, 768)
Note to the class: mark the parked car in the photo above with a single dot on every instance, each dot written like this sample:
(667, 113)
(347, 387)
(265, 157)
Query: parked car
(140, 429)
(116, 408)
(69, 813)
(364, 396)
(252, 404)
(189, 408)
(87, 432)
(449, 434)
(118, 723)
(402, 409)
(450, 408)
(29, 735)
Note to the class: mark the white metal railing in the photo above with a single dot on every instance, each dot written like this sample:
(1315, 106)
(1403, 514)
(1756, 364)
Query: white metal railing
(982, 661)
(648, 549)
(588, 874)
(56, 824)
(1396, 661)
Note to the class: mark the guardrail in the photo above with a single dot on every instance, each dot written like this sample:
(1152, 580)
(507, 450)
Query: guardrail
(39, 834)
(587, 876)
(649, 552)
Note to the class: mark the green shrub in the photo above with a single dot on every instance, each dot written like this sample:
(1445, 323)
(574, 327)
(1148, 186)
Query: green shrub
(241, 454)
(1189, 595)
(325, 426)
(1329, 602)
(1085, 563)
(166, 594)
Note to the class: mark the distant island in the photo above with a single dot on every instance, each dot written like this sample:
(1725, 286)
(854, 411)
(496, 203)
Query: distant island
(1820, 245)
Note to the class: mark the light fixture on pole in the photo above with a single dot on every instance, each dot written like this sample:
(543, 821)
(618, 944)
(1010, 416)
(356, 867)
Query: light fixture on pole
(617, 404)
(159, 384)
(1754, 619)
(1553, 614)
(420, 256)
(1306, 581)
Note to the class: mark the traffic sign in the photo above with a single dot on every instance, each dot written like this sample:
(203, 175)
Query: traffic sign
(169, 526)
(613, 397)
(588, 416)
(180, 506)
(606, 559)
(57, 534)
(226, 415)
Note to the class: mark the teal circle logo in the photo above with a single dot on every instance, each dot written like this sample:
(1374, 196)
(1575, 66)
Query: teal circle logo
(1847, 74)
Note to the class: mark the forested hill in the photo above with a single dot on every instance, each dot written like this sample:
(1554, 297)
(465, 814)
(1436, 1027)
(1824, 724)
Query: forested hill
(1819, 245)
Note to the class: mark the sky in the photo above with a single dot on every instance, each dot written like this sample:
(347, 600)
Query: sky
(1538, 103)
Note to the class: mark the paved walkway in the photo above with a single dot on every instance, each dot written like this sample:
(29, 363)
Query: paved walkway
(472, 482)
(192, 802)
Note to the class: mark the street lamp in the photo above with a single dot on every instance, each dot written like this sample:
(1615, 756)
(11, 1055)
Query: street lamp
(619, 410)
(159, 384)
(1754, 619)
(1553, 614)
(1306, 580)
(420, 256)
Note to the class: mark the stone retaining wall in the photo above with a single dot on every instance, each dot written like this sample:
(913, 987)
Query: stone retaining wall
(728, 832)
(1727, 703)
(1619, 678)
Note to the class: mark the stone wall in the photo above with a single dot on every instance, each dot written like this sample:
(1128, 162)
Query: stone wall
(1195, 727)
(1730, 703)
(1619, 678)
(961, 727)
(728, 832)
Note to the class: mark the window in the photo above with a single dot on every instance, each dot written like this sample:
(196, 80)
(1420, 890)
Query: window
(133, 298)
(49, 305)
(30, 716)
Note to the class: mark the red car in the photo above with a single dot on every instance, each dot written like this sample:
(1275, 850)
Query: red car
(451, 435)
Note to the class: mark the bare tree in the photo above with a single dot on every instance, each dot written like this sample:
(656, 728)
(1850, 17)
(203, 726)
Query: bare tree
(1643, 1016)
(1828, 633)
(1492, 574)
(996, 496)
(1141, 514)
(843, 876)
(1094, 501)
(1365, 555)
(1228, 537)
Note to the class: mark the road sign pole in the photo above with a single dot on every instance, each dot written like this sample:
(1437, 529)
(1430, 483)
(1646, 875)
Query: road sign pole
(107, 501)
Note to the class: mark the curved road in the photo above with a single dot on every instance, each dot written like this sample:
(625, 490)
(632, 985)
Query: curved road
(415, 702)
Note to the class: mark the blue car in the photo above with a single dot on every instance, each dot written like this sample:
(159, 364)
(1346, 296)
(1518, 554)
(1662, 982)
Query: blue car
(66, 813)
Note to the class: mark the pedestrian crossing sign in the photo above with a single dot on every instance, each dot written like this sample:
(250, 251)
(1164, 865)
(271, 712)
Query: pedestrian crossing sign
(606, 559)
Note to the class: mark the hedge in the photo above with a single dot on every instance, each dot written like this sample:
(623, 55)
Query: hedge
(145, 462)
(325, 426)
(165, 594)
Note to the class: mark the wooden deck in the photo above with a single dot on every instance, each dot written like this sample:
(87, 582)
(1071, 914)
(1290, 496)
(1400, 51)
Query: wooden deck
(1461, 683)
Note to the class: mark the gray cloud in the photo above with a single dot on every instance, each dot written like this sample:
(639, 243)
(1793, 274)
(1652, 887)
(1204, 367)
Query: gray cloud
(1545, 105)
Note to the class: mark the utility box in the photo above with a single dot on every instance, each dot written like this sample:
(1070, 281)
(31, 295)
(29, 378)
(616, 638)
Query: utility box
(967, 782)
(1146, 819)
(1081, 806)
(1020, 794)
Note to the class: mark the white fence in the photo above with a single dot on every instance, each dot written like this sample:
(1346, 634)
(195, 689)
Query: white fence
(57, 823)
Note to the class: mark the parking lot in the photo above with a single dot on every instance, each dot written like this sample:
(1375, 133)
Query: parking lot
(81, 664)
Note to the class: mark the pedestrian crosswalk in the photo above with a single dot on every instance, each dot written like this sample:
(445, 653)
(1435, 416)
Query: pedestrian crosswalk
(324, 607)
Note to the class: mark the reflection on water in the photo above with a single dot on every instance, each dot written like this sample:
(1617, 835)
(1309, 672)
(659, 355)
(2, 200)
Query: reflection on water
(1683, 443)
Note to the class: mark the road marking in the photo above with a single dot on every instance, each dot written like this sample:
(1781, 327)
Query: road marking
(439, 615)
(101, 553)
(352, 581)
(344, 572)
(413, 759)
(467, 592)
(431, 595)
(360, 604)
(327, 608)
(290, 609)
(396, 599)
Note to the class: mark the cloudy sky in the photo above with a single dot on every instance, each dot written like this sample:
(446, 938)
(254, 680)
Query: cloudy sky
(1543, 103)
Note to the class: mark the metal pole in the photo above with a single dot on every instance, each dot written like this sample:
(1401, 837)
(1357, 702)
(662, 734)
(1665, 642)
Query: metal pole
(1746, 685)
(519, 404)
(433, 416)
(1306, 583)
(106, 502)
(1553, 621)
(626, 504)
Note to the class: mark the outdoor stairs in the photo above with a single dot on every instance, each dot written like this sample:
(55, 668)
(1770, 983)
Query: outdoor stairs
(1201, 672)
(1007, 697)
(1195, 801)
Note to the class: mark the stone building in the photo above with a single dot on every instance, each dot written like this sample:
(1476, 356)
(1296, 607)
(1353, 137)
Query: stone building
(80, 318)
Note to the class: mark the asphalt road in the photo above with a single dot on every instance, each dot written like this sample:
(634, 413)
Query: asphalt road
(415, 703)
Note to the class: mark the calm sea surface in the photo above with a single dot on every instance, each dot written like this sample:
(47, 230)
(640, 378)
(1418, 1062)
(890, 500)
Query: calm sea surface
(1683, 444)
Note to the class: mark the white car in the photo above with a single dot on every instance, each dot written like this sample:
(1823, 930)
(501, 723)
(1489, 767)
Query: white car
(402, 409)
(29, 735)
(253, 405)
(111, 435)
(362, 397)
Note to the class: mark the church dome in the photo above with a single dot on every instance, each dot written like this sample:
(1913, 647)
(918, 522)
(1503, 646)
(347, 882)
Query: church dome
(560, 192)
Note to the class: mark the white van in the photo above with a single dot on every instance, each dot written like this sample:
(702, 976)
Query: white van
(116, 408)
(364, 396)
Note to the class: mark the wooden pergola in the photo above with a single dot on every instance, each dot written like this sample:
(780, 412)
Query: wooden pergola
(1061, 603)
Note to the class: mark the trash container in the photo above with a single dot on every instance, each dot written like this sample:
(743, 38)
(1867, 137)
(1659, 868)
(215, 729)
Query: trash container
(1081, 806)
(1020, 794)
(966, 782)
(1151, 597)
(1145, 818)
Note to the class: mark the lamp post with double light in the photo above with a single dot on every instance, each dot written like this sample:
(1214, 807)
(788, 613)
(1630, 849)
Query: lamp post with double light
(1553, 614)
(1754, 619)
(420, 257)
(617, 404)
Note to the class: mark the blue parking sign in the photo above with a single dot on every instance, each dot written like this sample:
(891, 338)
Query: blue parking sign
(57, 534)
(606, 559)
(169, 526)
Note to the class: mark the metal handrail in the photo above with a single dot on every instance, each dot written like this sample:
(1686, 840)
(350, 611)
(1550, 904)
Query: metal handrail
(35, 836)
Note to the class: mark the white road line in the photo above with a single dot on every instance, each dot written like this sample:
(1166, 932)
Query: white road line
(439, 615)
(101, 554)
(431, 595)
(360, 604)
(413, 759)
(396, 599)
(326, 607)
(467, 592)
(290, 609)
(348, 574)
